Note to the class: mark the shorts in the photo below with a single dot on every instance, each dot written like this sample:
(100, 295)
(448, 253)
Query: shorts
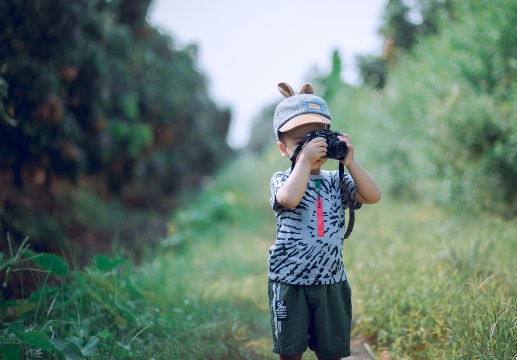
(318, 316)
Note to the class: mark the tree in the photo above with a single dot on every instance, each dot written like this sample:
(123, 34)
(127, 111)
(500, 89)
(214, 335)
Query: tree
(92, 94)
(456, 94)
(404, 23)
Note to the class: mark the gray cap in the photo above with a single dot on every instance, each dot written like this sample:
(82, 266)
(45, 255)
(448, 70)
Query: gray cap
(300, 109)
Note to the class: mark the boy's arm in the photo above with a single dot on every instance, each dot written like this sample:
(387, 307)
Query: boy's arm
(291, 193)
(367, 190)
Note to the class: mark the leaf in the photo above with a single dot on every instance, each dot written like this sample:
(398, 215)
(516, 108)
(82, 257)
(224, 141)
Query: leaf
(19, 306)
(90, 349)
(50, 262)
(43, 292)
(68, 349)
(105, 263)
(75, 340)
(15, 328)
(37, 339)
(130, 106)
(10, 352)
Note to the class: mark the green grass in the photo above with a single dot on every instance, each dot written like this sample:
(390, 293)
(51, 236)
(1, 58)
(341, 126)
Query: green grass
(430, 284)
(427, 284)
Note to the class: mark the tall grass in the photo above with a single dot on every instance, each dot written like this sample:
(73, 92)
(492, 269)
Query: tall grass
(430, 284)
(427, 284)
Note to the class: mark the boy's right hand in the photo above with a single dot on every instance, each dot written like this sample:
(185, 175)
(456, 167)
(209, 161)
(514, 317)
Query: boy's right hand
(313, 150)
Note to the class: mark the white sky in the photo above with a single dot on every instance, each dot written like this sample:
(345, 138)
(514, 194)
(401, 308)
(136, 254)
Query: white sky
(245, 48)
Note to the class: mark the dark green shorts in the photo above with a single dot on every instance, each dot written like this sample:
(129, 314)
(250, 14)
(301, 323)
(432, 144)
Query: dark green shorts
(318, 316)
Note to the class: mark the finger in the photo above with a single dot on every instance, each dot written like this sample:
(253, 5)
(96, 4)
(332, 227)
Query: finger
(319, 140)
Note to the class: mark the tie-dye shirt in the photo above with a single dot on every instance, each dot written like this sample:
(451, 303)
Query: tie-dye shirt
(309, 238)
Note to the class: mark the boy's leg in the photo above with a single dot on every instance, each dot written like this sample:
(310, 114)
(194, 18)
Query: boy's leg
(290, 319)
(326, 358)
(331, 306)
(290, 357)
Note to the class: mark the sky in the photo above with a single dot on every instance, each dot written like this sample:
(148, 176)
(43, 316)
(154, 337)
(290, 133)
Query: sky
(245, 48)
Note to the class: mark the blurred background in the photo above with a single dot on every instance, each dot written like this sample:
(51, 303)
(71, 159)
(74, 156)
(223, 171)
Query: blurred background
(141, 129)
(246, 49)
(110, 109)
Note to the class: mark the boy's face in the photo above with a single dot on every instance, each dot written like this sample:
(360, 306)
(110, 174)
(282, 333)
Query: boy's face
(289, 142)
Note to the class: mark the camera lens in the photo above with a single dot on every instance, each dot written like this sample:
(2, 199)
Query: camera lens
(337, 149)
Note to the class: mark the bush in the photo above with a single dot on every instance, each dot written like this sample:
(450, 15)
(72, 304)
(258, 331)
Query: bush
(92, 96)
(456, 98)
(73, 314)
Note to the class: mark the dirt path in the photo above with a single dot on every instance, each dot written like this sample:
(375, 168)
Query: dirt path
(359, 352)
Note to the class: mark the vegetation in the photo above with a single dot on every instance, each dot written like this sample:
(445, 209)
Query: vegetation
(455, 96)
(431, 266)
(404, 24)
(450, 102)
(94, 99)
(427, 283)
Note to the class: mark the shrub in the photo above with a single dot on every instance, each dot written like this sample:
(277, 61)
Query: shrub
(456, 96)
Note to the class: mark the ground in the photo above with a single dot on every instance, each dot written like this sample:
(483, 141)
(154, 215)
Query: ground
(359, 351)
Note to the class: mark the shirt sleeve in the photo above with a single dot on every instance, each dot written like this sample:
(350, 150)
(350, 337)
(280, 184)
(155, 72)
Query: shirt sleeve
(348, 192)
(277, 180)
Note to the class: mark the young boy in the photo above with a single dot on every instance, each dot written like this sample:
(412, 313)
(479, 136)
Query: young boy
(309, 296)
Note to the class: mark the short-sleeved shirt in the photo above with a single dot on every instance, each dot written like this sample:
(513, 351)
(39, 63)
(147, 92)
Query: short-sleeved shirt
(309, 238)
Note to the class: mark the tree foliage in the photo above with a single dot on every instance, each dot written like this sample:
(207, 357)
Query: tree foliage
(92, 93)
(404, 23)
(456, 95)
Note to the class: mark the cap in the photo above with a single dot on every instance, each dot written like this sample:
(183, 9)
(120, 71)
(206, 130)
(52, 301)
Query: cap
(299, 109)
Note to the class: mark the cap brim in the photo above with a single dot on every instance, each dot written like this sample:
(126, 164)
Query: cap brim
(304, 119)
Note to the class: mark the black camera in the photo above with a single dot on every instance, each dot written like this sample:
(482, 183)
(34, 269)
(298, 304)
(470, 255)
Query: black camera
(336, 149)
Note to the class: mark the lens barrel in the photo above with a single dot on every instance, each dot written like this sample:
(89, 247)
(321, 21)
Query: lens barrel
(336, 149)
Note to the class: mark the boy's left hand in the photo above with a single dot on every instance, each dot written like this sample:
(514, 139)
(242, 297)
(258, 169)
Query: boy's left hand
(367, 190)
(349, 157)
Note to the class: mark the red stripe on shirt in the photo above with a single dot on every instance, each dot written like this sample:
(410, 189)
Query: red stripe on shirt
(319, 215)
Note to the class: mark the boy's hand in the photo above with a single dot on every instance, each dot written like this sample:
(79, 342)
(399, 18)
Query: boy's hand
(313, 150)
(349, 157)
(367, 190)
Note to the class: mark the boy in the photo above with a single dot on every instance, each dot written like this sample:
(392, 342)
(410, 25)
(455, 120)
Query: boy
(309, 296)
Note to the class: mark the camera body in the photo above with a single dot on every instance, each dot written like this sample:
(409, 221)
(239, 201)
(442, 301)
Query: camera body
(336, 149)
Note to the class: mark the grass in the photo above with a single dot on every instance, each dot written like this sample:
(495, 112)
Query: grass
(427, 284)
(433, 285)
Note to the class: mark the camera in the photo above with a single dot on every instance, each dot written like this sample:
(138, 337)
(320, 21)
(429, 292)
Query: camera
(336, 149)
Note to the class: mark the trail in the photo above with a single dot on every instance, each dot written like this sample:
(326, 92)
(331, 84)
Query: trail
(359, 352)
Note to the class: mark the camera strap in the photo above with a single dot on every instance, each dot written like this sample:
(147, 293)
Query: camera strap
(299, 148)
(351, 212)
